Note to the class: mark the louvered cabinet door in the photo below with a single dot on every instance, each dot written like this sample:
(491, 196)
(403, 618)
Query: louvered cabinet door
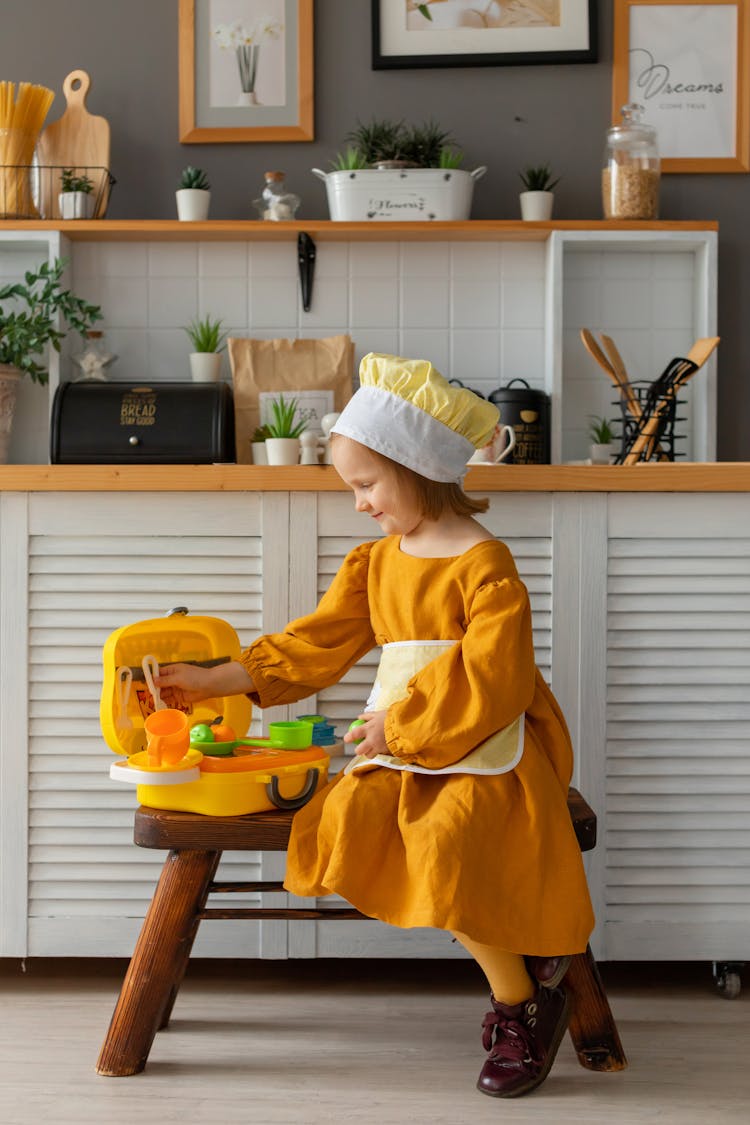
(96, 562)
(676, 827)
(524, 524)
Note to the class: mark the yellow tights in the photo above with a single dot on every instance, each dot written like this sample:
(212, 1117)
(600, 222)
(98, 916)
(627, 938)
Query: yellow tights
(505, 972)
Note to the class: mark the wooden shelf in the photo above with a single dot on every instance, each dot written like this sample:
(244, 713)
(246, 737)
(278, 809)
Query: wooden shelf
(233, 230)
(688, 477)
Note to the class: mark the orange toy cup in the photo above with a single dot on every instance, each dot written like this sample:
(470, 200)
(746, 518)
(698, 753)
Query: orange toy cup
(167, 737)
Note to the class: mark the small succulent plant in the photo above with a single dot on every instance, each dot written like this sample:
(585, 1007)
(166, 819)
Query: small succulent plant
(195, 179)
(600, 431)
(538, 178)
(284, 415)
(70, 182)
(206, 335)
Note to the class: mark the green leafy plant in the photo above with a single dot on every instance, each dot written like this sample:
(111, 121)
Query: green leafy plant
(71, 182)
(600, 431)
(31, 320)
(194, 178)
(284, 415)
(538, 178)
(261, 433)
(418, 146)
(206, 335)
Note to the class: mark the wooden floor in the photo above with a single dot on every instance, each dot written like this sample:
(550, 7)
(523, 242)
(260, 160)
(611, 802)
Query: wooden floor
(304, 1043)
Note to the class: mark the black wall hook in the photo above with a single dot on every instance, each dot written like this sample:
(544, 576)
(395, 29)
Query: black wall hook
(306, 260)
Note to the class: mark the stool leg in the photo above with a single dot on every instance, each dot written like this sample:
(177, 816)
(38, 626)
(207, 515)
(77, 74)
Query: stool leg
(592, 1026)
(159, 961)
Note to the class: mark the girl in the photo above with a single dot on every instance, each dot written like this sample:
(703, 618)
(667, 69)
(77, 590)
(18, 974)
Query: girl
(454, 812)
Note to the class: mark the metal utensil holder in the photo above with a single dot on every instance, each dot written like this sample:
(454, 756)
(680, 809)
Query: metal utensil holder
(648, 400)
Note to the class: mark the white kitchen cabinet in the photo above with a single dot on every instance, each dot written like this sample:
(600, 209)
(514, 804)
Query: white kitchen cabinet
(641, 604)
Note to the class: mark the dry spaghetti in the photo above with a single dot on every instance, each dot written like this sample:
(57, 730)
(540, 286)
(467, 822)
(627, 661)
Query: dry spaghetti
(22, 115)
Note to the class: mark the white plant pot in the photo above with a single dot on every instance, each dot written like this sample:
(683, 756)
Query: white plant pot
(282, 450)
(536, 206)
(408, 194)
(76, 204)
(601, 454)
(260, 454)
(192, 204)
(205, 367)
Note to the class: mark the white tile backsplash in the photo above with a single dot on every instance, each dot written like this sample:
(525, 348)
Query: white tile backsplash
(425, 302)
(374, 302)
(172, 302)
(476, 303)
(477, 310)
(222, 259)
(173, 259)
(273, 303)
(223, 297)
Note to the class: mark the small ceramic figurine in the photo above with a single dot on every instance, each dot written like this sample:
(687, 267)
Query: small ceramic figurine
(309, 441)
(327, 422)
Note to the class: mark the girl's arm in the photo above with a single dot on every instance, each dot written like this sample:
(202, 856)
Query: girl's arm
(187, 683)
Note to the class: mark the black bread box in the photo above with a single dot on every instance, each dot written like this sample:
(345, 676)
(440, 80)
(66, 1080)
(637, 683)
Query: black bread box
(96, 423)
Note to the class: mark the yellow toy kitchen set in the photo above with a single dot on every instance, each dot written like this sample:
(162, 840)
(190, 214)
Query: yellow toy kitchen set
(190, 759)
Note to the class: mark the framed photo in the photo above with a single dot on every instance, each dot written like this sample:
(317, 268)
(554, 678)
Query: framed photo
(246, 70)
(422, 33)
(686, 62)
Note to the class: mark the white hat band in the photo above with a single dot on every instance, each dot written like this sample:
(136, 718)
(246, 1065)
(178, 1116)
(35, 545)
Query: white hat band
(406, 434)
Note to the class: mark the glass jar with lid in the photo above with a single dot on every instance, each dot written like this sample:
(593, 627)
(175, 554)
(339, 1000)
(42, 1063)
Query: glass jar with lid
(630, 177)
(276, 203)
(94, 360)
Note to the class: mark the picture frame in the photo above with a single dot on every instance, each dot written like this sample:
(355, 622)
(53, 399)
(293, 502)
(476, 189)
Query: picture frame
(690, 75)
(245, 71)
(441, 33)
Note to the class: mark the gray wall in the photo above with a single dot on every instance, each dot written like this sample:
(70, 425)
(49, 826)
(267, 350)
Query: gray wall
(504, 117)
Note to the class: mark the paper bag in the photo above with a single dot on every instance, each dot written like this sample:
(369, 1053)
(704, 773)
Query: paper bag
(285, 366)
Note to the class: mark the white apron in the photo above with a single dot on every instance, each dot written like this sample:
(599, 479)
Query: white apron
(399, 662)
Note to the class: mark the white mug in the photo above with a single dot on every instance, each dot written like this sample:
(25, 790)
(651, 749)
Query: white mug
(495, 452)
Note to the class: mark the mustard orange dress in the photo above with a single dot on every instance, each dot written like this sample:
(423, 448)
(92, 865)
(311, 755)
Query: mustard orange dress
(491, 854)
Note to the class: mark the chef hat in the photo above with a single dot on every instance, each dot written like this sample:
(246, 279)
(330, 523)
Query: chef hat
(407, 411)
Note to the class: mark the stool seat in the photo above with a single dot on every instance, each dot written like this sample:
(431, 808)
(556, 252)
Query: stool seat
(195, 843)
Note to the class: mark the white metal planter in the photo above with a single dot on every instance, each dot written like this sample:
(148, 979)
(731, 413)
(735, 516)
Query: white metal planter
(408, 194)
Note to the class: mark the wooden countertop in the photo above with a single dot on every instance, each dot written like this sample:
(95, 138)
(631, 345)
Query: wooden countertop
(692, 477)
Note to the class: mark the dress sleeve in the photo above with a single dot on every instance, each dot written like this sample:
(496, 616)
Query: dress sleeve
(315, 651)
(472, 690)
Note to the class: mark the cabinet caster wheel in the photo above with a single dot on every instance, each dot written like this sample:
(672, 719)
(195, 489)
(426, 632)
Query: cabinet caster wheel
(727, 980)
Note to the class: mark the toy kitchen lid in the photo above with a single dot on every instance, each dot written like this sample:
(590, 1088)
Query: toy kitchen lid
(131, 657)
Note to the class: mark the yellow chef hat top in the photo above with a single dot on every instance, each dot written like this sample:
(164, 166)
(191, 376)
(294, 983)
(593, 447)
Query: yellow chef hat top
(407, 411)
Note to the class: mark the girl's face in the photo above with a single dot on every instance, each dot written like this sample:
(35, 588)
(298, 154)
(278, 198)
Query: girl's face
(376, 489)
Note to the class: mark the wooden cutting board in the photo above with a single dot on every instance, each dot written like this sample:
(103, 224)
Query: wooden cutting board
(77, 140)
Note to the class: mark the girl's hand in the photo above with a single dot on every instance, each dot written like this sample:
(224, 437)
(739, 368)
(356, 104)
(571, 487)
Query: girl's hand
(370, 736)
(189, 683)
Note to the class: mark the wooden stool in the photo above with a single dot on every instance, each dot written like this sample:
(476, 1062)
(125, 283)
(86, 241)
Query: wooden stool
(162, 952)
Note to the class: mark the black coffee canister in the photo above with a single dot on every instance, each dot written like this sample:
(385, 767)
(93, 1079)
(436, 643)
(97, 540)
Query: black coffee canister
(527, 411)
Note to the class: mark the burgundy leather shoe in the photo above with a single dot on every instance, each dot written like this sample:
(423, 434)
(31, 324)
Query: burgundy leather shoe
(522, 1040)
(548, 971)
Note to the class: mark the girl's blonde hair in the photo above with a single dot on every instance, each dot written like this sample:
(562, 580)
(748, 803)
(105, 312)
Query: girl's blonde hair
(434, 497)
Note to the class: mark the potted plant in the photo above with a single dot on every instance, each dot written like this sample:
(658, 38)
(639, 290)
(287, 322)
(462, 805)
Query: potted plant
(193, 195)
(39, 312)
(75, 199)
(282, 441)
(538, 198)
(258, 445)
(394, 170)
(207, 339)
(602, 448)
